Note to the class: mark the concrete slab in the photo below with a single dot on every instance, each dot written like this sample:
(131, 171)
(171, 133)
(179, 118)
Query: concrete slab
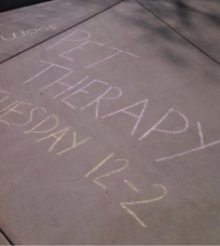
(110, 135)
(197, 20)
(3, 240)
(25, 27)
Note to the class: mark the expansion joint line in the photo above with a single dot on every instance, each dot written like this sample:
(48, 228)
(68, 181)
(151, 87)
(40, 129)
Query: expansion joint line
(179, 33)
(6, 237)
(64, 30)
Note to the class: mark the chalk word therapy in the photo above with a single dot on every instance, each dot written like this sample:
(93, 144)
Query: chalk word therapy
(102, 93)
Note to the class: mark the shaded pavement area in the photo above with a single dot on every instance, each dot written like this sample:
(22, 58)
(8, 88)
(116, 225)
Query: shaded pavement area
(109, 122)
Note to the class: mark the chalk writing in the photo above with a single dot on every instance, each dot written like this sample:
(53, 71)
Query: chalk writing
(82, 40)
(21, 34)
(127, 205)
(12, 109)
(125, 163)
(81, 90)
(49, 130)
(156, 128)
(99, 165)
(75, 36)
(69, 71)
(129, 113)
(51, 118)
(110, 93)
(30, 119)
(68, 88)
(115, 53)
(79, 47)
(124, 205)
(103, 96)
(57, 136)
(53, 134)
(29, 32)
(131, 185)
(201, 147)
(6, 95)
(46, 128)
(86, 44)
(50, 68)
(75, 143)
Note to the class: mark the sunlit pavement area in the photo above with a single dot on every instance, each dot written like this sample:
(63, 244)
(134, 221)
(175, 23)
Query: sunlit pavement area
(109, 123)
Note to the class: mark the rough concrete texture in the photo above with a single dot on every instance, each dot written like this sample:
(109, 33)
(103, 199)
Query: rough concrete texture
(197, 20)
(3, 241)
(110, 135)
(23, 28)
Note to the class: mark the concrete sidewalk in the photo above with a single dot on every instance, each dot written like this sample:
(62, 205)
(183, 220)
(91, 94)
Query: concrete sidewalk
(26, 27)
(110, 129)
(198, 21)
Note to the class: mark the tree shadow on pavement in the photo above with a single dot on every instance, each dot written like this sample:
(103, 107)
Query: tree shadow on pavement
(177, 19)
(198, 21)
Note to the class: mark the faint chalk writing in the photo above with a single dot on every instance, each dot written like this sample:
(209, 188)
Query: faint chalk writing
(29, 32)
(126, 205)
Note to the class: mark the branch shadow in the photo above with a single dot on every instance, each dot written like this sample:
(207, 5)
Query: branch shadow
(193, 20)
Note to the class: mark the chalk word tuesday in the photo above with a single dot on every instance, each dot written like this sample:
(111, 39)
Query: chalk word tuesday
(38, 122)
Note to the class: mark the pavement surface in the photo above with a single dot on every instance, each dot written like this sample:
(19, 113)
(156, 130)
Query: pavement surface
(3, 240)
(25, 27)
(197, 20)
(110, 129)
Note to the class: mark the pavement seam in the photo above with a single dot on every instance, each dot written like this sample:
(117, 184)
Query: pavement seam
(6, 237)
(179, 33)
(64, 30)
